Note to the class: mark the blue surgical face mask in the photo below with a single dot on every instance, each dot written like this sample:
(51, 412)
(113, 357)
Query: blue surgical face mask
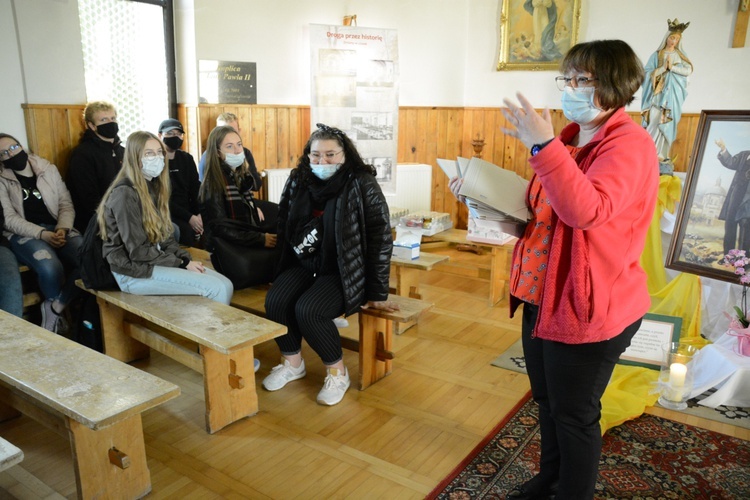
(325, 171)
(578, 104)
(152, 166)
(234, 160)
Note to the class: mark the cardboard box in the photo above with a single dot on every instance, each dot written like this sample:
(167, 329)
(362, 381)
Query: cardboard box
(406, 251)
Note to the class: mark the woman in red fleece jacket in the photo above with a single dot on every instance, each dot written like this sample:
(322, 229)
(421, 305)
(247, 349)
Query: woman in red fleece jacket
(576, 269)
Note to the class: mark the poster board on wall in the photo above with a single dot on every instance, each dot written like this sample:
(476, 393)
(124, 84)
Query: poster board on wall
(355, 79)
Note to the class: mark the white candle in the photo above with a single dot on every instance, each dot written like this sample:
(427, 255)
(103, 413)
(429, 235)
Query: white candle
(677, 372)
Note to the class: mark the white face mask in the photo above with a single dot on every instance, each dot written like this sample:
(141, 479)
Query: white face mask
(234, 160)
(325, 171)
(152, 167)
(578, 104)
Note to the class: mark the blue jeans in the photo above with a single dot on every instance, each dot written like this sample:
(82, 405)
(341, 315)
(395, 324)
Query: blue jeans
(178, 281)
(51, 264)
(11, 294)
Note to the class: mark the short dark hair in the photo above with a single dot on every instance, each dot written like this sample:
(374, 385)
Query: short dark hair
(613, 63)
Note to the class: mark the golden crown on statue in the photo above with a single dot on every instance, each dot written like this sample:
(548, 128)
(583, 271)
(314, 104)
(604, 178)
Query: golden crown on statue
(677, 27)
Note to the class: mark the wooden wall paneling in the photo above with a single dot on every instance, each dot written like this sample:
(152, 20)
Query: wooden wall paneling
(282, 138)
(271, 140)
(258, 128)
(423, 155)
(411, 136)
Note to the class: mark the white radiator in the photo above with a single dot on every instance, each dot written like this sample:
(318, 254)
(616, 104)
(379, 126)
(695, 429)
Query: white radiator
(276, 179)
(413, 186)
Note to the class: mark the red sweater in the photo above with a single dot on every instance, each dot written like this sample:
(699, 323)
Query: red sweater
(602, 208)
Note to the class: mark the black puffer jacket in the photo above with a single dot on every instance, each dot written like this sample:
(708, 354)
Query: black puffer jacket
(93, 166)
(363, 238)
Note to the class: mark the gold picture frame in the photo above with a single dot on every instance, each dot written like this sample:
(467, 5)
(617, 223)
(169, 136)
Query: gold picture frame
(537, 38)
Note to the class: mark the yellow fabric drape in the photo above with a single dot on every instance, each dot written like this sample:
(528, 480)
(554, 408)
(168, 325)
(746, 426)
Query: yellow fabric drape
(628, 392)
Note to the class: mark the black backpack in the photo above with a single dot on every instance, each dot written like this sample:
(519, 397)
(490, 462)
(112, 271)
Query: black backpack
(95, 271)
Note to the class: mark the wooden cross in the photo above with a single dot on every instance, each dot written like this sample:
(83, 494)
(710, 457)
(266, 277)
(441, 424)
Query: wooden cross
(740, 27)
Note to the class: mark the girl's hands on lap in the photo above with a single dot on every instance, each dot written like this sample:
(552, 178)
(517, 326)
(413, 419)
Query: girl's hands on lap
(270, 240)
(196, 267)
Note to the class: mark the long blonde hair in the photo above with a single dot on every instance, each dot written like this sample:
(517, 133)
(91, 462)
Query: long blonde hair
(214, 185)
(157, 221)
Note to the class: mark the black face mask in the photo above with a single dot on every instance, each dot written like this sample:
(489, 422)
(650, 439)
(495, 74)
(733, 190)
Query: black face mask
(17, 162)
(174, 143)
(108, 130)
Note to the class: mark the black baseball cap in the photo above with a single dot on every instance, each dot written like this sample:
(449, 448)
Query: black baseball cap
(170, 124)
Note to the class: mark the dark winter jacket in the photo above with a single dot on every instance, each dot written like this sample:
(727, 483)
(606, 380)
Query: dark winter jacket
(362, 234)
(93, 165)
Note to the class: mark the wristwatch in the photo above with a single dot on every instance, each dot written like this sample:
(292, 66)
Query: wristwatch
(538, 147)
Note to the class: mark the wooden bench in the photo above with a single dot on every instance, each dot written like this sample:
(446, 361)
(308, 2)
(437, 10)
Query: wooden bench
(93, 400)
(10, 455)
(499, 259)
(31, 295)
(211, 338)
(376, 330)
(406, 277)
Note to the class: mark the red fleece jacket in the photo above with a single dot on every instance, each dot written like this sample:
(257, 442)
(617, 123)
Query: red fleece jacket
(602, 208)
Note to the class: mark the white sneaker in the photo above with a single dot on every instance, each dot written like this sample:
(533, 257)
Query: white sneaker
(50, 319)
(340, 322)
(256, 364)
(282, 374)
(334, 387)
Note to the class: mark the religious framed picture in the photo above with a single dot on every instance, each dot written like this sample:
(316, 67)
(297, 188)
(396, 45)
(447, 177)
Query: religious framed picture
(536, 34)
(714, 214)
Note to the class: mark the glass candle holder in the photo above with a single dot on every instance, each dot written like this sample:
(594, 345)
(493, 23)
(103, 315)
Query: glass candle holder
(676, 375)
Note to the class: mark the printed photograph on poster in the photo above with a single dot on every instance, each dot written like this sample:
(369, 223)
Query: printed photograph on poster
(372, 126)
(383, 167)
(337, 62)
(335, 92)
(375, 73)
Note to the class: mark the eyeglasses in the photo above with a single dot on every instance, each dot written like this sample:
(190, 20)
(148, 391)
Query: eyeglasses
(6, 153)
(35, 192)
(316, 157)
(575, 82)
(152, 154)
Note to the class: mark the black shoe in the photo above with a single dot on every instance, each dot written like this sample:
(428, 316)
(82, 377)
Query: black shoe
(531, 490)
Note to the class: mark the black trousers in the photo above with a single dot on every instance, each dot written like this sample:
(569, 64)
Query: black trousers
(567, 381)
(306, 305)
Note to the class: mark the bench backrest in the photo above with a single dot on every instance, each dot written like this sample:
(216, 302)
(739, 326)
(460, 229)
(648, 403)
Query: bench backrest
(209, 323)
(80, 383)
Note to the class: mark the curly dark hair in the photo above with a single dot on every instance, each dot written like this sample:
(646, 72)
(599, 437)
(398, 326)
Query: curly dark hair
(352, 158)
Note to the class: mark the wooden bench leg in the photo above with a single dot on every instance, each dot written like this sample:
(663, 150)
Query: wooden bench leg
(229, 384)
(407, 285)
(117, 341)
(96, 475)
(498, 274)
(374, 333)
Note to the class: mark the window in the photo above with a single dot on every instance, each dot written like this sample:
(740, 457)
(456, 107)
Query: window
(128, 59)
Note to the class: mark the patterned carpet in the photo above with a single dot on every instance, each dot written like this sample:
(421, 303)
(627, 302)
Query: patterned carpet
(645, 458)
(512, 359)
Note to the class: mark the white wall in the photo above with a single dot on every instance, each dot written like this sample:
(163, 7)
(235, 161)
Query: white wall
(448, 48)
(11, 114)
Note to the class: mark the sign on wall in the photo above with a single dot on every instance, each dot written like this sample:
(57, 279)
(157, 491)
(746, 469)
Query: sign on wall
(355, 88)
(227, 82)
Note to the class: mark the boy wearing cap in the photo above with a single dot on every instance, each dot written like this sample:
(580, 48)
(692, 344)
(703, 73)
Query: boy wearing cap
(183, 175)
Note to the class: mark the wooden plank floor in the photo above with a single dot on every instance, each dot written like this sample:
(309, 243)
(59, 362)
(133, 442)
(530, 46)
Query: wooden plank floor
(397, 439)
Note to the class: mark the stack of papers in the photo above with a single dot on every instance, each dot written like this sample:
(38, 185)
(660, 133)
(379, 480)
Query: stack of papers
(492, 193)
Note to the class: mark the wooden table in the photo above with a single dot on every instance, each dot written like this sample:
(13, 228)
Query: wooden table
(499, 259)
